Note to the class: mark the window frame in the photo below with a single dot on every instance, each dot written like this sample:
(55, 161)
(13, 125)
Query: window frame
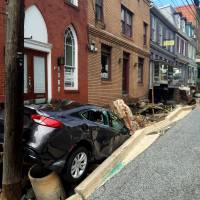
(100, 7)
(72, 2)
(153, 28)
(140, 72)
(160, 33)
(125, 27)
(92, 111)
(145, 29)
(106, 51)
(74, 60)
(121, 122)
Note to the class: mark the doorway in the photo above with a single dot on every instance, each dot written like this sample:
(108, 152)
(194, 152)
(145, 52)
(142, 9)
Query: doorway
(125, 74)
(35, 76)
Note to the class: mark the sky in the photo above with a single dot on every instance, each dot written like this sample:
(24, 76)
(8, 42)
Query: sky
(174, 3)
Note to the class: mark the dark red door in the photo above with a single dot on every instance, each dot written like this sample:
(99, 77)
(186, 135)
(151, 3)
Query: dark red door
(35, 76)
(125, 73)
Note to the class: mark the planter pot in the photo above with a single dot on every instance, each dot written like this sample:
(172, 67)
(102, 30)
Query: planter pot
(46, 184)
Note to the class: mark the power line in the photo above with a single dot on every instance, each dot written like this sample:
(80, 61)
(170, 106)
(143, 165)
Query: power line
(192, 12)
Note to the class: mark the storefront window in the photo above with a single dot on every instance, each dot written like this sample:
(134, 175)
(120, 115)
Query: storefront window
(170, 73)
(177, 73)
(163, 72)
(156, 72)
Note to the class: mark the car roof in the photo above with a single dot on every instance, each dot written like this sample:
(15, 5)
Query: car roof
(64, 106)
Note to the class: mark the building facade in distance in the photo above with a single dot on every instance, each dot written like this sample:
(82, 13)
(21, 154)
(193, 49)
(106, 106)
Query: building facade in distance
(173, 51)
(118, 60)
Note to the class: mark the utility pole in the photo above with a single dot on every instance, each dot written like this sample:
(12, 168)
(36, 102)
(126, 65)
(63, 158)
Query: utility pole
(14, 81)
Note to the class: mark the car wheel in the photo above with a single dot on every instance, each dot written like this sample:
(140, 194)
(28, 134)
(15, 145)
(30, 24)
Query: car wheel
(76, 165)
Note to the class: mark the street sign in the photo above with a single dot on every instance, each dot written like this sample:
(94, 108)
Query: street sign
(168, 43)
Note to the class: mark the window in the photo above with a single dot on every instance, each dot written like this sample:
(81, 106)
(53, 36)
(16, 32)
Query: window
(71, 68)
(126, 21)
(160, 34)
(153, 28)
(99, 10)
(178, 47)
(198, 75)
(145, 33)
(163, 72)
(182, 47)
(178, 20)
(189, 50)
(140, 69)
(168, 38)
(97, 116)
(156, 72)
(105, 62)
(194, 53)
(115, 122)
(171, 39)
(73, 2)
(183, 25)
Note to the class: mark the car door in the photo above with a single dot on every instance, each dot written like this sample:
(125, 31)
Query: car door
(120, 131)
(102, 135)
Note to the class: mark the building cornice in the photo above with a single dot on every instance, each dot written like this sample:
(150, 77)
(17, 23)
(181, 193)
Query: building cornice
(32, 44)
(161, 50)
(116, 40)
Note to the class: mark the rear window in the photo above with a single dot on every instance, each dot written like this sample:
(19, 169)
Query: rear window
(60, 106)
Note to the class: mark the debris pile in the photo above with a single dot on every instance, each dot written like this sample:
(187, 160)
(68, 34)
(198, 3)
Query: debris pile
(141, 114)
(124, 112)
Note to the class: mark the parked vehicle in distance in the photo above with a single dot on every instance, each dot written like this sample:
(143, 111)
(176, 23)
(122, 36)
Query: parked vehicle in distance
(65, 136)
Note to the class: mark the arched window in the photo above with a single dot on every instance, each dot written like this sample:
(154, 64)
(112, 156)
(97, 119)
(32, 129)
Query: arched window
(71, 64)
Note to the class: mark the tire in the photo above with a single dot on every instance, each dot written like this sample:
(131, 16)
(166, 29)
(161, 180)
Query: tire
(76, 165)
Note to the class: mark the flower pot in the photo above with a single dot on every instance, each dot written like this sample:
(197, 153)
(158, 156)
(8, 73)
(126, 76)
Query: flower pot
(46, 184)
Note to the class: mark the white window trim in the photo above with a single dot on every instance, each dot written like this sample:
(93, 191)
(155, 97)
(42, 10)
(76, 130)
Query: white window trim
(44, 47)
(76, 61)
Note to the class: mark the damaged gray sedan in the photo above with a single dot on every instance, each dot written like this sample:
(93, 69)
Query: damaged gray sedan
(66, 136)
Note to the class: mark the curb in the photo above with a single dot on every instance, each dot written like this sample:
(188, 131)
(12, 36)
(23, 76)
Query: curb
(75, 197)
(117, 161)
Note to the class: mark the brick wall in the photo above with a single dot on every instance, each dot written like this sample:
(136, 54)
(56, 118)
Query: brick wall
(58, 16)
(104, 92)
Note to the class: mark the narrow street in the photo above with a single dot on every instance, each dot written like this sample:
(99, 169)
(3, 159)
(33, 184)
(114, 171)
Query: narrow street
(169, 169)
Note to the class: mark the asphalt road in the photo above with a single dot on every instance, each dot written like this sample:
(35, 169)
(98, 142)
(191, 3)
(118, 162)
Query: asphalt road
(168, 170)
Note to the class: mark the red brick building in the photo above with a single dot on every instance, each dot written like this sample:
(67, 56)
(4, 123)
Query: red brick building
(55, 60)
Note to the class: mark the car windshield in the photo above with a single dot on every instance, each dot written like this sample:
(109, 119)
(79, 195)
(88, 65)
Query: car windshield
(60, 106)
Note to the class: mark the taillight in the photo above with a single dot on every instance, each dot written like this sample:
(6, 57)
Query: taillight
(46, 121)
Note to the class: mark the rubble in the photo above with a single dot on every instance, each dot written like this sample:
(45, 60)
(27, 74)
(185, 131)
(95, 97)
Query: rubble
(124, 112)
(141, 114)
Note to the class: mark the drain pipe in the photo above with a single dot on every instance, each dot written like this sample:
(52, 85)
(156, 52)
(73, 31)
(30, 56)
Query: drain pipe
(46, 184)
